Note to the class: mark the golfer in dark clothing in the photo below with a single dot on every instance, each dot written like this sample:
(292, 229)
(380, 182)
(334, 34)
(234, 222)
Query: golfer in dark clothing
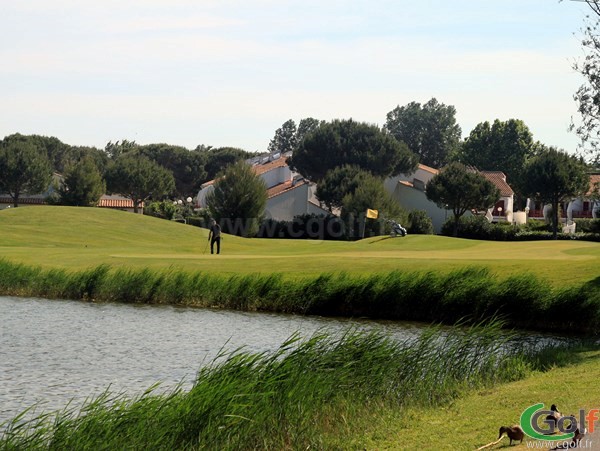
(214, 236)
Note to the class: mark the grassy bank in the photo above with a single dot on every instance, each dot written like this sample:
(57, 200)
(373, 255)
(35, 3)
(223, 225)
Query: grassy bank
(308, 394)
(87, 253)
(472, 294)
(473, 421)
(80, 238)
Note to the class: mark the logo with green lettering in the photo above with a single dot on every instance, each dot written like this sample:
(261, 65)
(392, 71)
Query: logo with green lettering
(552, 427)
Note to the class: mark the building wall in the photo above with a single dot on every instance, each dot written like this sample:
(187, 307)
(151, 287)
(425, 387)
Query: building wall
(414, 199)
(201, 197)
(316, 210)
(575, 208)
(285, 206)
(507, 203)
(277, 176)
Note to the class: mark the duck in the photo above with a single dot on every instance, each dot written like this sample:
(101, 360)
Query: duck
(578, 437)
(575, 442)
(513, 432)
(552, 419)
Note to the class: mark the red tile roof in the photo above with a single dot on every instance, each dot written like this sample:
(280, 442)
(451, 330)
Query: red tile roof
(109, 201)
(428, 169)
(262, 168)
(23, 200)
(258, 169)
(283, 188)
(114, 201)
(499, 180)
(594, 179)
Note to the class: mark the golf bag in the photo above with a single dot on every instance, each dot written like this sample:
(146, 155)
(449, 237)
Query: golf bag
(397, 229)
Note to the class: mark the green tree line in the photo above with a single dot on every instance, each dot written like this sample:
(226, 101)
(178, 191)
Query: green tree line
(139, 172)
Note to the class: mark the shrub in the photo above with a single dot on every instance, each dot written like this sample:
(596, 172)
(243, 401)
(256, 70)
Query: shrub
(537, 225)
(588, 225)
(198, 222)
(163, 209)
(474, 227)
(307, 226)
(478, 228)
(419, 223)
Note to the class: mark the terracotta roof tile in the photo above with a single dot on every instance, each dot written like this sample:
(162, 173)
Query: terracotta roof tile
(23, 200)
(258, 169)
(114, 201)
(499, 180)
(110, 201)
(283, 187)
(262, 168)
(594, 178)
(428, 169)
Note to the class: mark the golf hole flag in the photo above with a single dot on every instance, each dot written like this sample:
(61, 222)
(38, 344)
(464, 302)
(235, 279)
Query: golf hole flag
(372, 214)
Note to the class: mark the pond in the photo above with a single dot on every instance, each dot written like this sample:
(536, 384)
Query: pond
(54, 351)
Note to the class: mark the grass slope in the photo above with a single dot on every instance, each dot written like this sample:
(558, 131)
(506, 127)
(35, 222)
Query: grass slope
(79, 238)
(474, 420)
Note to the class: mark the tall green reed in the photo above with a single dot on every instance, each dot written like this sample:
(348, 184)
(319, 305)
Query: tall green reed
(474, 293)
(288, 398)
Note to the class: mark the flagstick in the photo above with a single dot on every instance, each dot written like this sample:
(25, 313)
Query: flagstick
(364, 227)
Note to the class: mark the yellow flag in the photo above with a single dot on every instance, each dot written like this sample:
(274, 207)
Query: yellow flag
(372, 214)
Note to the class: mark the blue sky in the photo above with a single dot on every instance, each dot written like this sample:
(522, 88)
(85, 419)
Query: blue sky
(228, 73)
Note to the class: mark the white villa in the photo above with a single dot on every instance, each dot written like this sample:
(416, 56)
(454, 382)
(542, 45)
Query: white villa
(409, 191)
(587, 206)
(288, 193)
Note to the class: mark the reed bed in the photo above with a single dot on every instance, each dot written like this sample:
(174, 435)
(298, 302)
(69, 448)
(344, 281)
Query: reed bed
(296, 397)
(524, 301)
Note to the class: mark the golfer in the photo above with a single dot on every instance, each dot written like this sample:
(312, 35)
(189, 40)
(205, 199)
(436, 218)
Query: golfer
(214, 236)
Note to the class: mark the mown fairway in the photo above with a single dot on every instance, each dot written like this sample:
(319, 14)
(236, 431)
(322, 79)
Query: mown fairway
(79, 238)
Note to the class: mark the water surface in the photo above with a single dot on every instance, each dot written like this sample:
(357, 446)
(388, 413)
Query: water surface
(54, 351)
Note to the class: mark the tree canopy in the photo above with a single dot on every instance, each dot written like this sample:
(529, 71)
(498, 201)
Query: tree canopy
(588, 94)
(339, 182)
(554, 176)
(118, 148)
(24, 168)
(460, 189)
(429, 130)
(370, 194)
(288, 137)
(60, 155)
(217, 159)
(137, 177)
(285, 138)
(502, 146)
(187, 166)
(238, 200)
(305, 127)
(82, 185)
(349, 142)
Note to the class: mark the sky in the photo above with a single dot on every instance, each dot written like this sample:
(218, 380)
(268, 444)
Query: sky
(229, 72)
